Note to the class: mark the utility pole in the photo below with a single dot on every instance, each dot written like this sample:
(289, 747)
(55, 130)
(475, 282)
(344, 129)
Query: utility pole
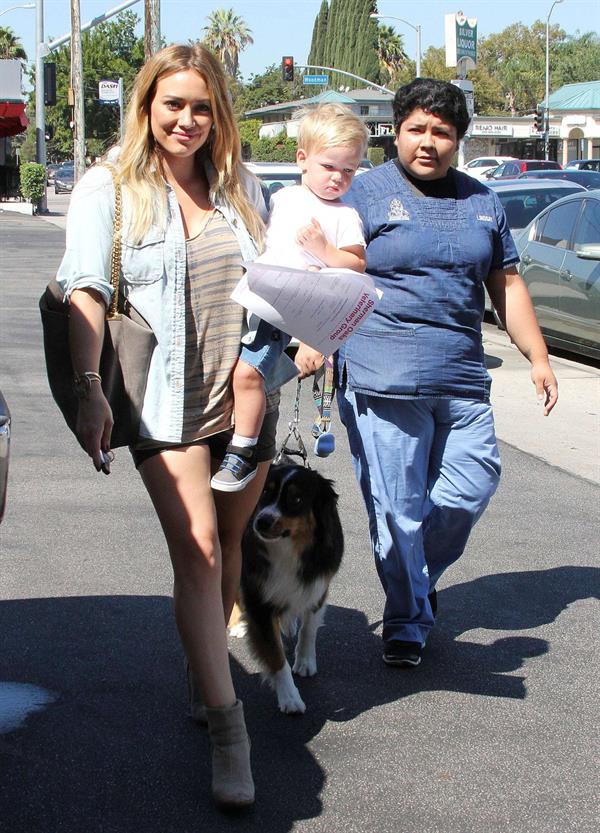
(40, 111)
(77, 92)
(151, 27)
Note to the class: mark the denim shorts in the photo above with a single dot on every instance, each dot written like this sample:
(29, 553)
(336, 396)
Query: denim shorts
(266, 349)
(265, 448)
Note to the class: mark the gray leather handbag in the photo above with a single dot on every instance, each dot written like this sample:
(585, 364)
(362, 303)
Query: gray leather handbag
(126, 353)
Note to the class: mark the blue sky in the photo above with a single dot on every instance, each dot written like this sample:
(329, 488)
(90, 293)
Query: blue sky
(282, 27)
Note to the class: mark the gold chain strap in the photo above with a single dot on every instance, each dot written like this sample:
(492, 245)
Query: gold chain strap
(115, 255)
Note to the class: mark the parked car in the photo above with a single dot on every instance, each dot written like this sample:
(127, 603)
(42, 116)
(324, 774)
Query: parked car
(364, 165)
(275, 175)
(64, 179)
(512, 169)
(51, 169)
(4, 451)
(522, 200)
(560, 263)
(479, 166)
(584, 164)
(589, 179)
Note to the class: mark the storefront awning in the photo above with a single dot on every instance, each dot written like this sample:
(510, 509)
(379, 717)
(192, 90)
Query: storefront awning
(12, 118)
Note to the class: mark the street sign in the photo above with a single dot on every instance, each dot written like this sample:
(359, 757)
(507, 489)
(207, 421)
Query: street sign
(461, 41)
(315, 79)
(108, 92)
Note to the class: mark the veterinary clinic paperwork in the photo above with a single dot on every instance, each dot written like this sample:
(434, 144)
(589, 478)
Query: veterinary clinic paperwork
(319, 308)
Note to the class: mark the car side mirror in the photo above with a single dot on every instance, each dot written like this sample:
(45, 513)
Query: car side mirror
(588, 251)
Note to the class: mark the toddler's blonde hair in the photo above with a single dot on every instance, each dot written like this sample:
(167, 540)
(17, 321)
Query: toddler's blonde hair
(330, 125)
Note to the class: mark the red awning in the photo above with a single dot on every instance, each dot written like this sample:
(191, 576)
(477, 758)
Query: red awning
(12, 118)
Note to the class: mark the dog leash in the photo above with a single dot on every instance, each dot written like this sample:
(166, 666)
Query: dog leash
(294, 435)
(323, 393)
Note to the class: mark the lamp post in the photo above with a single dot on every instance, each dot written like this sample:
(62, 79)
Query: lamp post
(547, 103)
(417, 29)
(20, 6)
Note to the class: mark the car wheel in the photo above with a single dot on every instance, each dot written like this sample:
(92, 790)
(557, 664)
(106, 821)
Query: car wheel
(497, 319)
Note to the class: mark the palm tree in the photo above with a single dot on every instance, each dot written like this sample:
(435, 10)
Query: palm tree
(10, 46)
(390, 49)
(227, 35)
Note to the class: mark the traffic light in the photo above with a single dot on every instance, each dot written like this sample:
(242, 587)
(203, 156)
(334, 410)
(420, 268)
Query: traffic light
(49, 84)
(539, 119)
(49, 132)
(287, 68)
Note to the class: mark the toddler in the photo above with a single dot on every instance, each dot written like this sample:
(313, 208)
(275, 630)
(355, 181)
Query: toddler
(308, 228)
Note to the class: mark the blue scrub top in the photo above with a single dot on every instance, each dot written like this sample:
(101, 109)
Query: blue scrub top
(430, 257)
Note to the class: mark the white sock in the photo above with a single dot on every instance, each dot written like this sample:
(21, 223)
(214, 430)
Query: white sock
(243, 442)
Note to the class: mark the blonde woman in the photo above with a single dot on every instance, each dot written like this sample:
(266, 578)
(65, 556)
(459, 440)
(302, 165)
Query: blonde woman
(191, 215)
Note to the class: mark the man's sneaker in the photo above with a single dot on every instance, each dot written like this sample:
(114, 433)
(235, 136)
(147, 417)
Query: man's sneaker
(403, 654)
(237, 469)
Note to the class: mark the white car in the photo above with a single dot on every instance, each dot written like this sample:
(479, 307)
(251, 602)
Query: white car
(482, 164)
(275, 175)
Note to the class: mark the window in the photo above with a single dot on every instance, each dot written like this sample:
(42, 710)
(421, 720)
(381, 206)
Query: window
(482, 163)
(588, 228)
(364, 109)
(558, 228)
(511, 169)
(537, 229)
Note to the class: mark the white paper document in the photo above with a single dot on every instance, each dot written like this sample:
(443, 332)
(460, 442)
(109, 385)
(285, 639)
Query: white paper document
(319, 308)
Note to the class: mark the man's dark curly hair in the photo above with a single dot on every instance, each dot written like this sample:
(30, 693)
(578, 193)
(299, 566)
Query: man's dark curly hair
(441, 98)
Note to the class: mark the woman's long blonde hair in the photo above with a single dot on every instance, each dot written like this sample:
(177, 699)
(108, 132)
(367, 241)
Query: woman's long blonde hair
(139, 161)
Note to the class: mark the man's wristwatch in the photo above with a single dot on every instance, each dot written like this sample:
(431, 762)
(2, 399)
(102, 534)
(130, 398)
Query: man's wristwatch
(82, 384)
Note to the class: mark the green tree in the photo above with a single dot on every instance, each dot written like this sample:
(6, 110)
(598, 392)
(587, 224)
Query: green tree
(110, 51)
(10, 45)
(345, 37)
(515, 57)
(264, 90)
(227, 35)
(278, 149)
(433, 64)
(576, 59)
(390, 50)
(319, 36)
(367, 62)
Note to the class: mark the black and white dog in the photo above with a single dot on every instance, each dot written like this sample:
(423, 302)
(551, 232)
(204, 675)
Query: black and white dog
(292, 548)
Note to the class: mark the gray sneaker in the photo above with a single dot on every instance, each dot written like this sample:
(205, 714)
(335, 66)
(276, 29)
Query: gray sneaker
(237, 469)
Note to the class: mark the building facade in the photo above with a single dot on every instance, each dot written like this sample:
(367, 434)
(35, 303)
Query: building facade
(574, 124)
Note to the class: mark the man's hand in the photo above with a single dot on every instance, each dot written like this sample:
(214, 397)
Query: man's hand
(546, 385)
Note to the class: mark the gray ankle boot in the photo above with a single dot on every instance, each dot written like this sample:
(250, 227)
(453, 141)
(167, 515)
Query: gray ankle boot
(232, 784)
(197, 709)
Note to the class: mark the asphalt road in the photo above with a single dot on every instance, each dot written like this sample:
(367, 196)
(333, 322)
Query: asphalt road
(496, 732)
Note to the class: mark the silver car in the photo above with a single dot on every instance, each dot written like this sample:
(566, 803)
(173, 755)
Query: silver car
(560, 263)
(522, 200)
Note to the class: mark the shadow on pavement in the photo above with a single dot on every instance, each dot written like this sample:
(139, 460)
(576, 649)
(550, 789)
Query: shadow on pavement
(116, 752)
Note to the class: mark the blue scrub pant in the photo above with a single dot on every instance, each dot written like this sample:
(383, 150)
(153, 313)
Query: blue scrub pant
(427, 469)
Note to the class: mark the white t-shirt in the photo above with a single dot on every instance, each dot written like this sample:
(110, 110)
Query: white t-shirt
(292, 208)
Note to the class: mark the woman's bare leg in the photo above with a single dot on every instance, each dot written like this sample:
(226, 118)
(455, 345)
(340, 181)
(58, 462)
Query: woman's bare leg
(233, 513)
(177, 481)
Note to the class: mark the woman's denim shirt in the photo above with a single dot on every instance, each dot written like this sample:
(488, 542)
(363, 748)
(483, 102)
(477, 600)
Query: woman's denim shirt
(153, 279)
(430, 257)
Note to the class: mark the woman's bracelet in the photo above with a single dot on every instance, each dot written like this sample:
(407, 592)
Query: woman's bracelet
(82, 383)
